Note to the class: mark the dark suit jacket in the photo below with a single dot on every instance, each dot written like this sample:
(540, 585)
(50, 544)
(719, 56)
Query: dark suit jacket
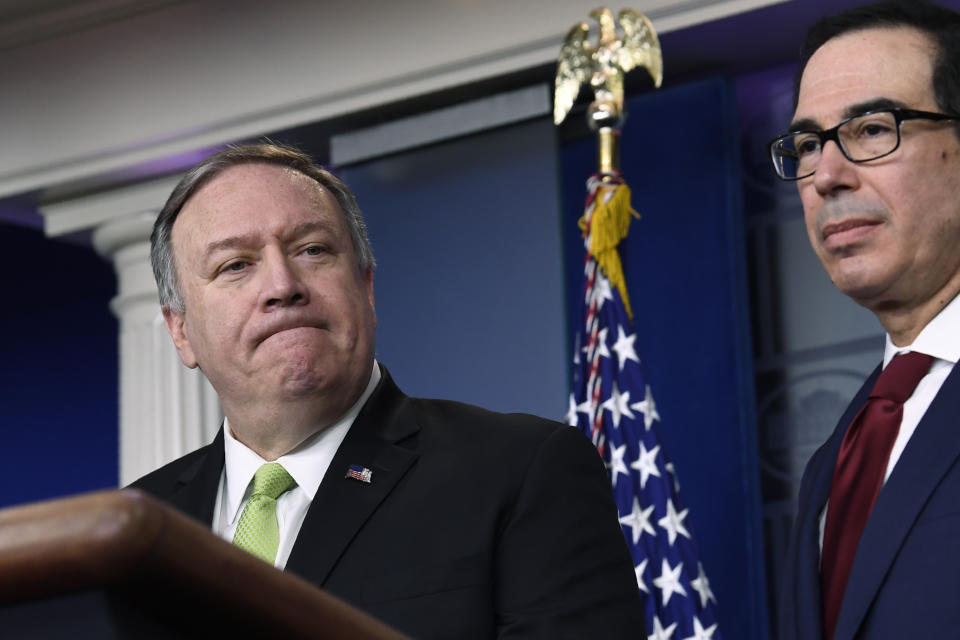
(905, 579)
(475, 524)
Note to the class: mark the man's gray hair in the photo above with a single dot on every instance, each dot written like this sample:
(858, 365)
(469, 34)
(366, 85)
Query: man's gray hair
(161, 247)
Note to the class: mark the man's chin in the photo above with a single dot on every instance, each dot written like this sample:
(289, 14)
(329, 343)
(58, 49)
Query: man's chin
(865, 291)
(297, 383)
(857, 276)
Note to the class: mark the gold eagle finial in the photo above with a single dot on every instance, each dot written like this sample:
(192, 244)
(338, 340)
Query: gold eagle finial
(603, 66)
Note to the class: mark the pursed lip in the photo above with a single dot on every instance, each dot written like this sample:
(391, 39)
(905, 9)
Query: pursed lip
(285, 324)
(847, 231)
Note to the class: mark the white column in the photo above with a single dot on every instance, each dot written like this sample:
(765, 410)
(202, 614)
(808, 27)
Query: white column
(166, 410)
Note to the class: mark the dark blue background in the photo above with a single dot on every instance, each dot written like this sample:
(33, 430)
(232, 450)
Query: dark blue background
(58, 379)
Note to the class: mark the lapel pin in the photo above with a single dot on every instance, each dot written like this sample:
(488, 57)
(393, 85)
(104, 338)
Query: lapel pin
(360, 473)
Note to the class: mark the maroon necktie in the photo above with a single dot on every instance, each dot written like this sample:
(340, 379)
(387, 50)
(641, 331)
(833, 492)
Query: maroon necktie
(859, 472)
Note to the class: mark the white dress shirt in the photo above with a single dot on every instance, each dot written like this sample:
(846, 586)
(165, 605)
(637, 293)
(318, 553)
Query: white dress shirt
(940, 339)
(307, 464)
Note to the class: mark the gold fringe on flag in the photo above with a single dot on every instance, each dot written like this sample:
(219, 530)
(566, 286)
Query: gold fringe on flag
(609, 224)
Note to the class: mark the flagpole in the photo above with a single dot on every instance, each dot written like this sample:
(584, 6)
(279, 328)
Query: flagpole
(608, 150)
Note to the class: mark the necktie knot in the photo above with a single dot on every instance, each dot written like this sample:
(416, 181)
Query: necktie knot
(271, 480)
(901, 376)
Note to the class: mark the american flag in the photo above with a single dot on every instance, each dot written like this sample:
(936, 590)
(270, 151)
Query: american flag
(359, 472)
(613, 404)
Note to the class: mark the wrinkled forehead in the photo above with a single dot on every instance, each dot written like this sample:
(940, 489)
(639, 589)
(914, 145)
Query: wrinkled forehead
(263, 177)
(254, 199)
(893, 64)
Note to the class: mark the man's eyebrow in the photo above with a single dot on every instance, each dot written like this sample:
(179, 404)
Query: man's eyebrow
(809, 124)
(306, 228)
(871, 105)
(248, 240)
(804, 124)
(232, 242)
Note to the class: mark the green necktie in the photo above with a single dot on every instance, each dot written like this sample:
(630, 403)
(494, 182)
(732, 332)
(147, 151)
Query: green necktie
(257, 531)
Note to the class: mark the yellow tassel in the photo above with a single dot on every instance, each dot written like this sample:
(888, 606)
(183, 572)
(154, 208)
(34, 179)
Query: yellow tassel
(609, 224)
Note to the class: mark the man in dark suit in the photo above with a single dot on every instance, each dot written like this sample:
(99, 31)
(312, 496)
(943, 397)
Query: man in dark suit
(875, 151)
(441, 519)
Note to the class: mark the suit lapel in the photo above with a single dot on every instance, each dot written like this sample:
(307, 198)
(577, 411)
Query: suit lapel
(929, 454)
(809, 619)
(198, 484)
(342, 505)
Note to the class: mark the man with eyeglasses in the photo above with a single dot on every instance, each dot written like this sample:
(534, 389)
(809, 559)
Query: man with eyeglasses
(874, 149)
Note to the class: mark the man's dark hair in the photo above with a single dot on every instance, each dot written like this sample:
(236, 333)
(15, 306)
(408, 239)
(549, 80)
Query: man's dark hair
(941, 25)
(161, 246)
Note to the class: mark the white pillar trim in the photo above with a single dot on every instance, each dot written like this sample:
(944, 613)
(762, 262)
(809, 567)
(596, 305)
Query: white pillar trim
(90, 211)
(166, 410)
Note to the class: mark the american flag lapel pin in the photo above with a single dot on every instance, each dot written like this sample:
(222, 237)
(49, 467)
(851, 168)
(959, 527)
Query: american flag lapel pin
(359, 472)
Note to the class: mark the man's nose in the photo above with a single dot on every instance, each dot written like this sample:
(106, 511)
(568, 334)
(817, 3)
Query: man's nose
(282, 286)
(834, 171)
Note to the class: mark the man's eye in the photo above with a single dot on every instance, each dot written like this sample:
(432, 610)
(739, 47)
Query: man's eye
(315, 250)
(235, 267)
(873, 129)
(805, 145)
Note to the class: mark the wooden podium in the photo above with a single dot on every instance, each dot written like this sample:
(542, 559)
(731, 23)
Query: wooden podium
(119, 564)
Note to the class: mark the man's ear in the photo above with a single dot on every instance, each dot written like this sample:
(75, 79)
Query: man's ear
(175, 322)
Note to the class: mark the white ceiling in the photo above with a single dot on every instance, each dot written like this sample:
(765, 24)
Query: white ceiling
(105, 87)
(27, 22)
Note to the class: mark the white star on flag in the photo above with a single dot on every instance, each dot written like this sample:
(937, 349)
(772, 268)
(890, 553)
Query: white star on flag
(673, 474)
(639, 570)
(617, 405)
(601, 290)
(571, 417)
(648, 408)
(624, 347)
(673, 522)
(588, 407)
(616, 465)
(669, 581)
(601, 344)
(659, 633)
(702, 586)
(646, 464)
(699, 633)
(639, 521)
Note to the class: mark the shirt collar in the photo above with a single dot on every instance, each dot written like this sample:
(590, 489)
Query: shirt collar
(940, 338)
(307, 464)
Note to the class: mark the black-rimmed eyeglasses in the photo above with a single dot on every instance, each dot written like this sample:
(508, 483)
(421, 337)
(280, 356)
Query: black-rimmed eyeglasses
(861, 138)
